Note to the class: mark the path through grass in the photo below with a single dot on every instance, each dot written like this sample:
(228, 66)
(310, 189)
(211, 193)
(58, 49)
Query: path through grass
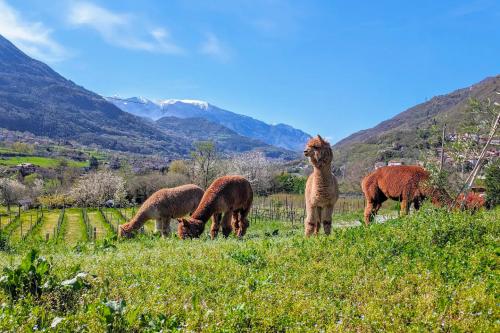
(73, 229)
(103, 230)
(49, 223)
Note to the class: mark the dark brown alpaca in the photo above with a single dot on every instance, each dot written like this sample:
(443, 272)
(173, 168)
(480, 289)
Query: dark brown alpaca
(404, 183)
(228, 195)
(162, 206)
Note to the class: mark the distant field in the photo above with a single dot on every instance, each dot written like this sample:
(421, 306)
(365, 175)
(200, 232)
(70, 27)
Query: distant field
(45, 162)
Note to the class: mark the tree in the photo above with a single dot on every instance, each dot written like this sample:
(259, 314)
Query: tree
(95, 188)
(205, 159)
(256, 168)
(93, 163)
(492, 182)
(180, 167)
(140, 187)
(11, 191)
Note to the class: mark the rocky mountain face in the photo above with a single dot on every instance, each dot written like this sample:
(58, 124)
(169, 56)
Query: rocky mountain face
(280, 135)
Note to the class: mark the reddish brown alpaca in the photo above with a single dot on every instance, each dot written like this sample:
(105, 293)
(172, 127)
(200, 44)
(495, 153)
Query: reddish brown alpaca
(162, 206)
(404, 183)
(228, 195)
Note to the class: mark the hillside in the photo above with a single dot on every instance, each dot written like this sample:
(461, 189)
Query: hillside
(36, 99)
(279, 135)
(406, 135)
(228, 141)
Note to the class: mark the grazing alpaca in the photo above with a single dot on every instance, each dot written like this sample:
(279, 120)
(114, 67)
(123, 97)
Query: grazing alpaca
(228, 195)
(405, 183)
(322, 190)
(162, 206)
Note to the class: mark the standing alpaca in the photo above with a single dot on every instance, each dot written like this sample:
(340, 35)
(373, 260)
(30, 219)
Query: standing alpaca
(228, 195)
(405, 183)
(322, 190)
(162, 206)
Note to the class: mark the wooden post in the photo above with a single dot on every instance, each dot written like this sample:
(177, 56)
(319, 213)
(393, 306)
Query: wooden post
(442, 148)
(95, 233)
(47, 237)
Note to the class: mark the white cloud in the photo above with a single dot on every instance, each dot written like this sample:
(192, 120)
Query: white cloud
(31, 37)
(212, 46)
(122, 30)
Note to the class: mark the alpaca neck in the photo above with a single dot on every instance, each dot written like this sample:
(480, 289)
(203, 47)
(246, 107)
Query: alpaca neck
(137, 221)
(323, 173)
(203, 213)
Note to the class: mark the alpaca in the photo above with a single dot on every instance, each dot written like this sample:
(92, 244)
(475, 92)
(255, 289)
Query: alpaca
(405, 183)
(162, 206)
(228, 195)
(322, 190)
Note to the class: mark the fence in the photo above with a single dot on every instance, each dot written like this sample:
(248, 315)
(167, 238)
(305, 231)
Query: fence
(291, 208)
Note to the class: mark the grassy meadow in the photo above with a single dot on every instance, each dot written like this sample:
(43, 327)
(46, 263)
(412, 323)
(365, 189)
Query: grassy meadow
(431, 271)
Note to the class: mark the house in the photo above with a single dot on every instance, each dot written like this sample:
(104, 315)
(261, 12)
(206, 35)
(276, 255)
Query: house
(379, 165)
(395, 162)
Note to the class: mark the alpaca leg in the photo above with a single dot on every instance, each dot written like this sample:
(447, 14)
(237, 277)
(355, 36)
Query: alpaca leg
(310, 221)
(326, 217)
(243, 223)
(405, 207)
(416, 204)
(226, 224)
(368, 212)
(235, 221)
(317, 222)
(162, 226)
(214, 229)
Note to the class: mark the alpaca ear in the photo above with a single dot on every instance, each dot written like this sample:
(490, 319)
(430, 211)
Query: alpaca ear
(320, 138)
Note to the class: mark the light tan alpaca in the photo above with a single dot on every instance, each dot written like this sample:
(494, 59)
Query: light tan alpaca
(162, 206)
(322, 190)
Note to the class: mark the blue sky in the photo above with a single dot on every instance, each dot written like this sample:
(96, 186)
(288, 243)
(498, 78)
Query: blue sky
(328, 67)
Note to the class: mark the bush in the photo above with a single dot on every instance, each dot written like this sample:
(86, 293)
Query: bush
(492, 182)
(289, 183)
(55, 201)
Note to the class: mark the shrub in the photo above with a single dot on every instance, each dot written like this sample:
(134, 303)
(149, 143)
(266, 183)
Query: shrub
(55, 201)
(492, 182)
(290, 183)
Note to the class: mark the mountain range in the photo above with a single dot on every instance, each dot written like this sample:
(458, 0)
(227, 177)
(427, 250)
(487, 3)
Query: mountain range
(279, 135)
(36, 99)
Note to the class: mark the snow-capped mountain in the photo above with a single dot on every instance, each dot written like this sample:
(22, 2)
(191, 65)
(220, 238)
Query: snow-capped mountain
(280, 135)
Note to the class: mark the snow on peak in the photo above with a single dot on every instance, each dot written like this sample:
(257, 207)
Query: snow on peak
(201, 104)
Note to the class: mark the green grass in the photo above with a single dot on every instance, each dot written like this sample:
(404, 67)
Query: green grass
(431, 271)
(73, 229)
(44, 162)
(103, 230)
(28, 218)
(49, 223)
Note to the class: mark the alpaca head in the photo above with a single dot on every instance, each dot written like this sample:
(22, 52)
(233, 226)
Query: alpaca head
(319, 152)
(124, 232)
(189, 228)
(438, 196)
